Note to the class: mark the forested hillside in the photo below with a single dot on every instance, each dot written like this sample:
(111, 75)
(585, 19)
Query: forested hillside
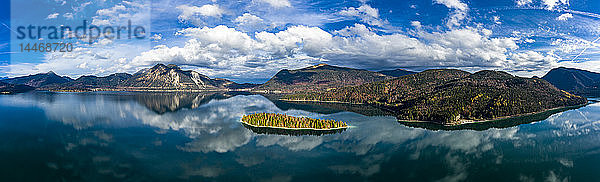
(319, 78)
(453, 96)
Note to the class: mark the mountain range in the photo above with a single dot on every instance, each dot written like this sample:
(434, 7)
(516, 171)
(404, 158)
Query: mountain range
(574, 80)
(397, 72)
(158, 78)
(445, 96)
(38, 80)
(7, 88)
(319, 78)
(172, 78)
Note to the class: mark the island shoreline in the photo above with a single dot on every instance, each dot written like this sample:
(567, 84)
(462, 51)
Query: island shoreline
(284, 128)
(465, 122)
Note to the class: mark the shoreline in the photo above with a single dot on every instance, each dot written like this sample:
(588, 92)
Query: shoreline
(142, 90)
(466, 122)
(319, 101)
(462, 122)
(284, 128)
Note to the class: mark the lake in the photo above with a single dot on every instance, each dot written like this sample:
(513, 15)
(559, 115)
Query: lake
(111, 136)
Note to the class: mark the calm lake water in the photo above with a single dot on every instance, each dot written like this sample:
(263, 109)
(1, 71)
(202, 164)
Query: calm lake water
(198, 137)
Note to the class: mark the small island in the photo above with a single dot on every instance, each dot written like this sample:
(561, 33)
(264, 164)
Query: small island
(282, 121)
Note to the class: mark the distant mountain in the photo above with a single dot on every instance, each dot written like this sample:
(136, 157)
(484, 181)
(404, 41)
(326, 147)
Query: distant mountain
(160, 77)
(574, 80)
(39, 80)
(453, 96)
(397, 72)
(318, 78)
(171, 77)
(91, 82)
(7, 88)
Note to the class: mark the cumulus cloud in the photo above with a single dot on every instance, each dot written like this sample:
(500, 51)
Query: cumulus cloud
(523, 2)
(564, 17)
(365, 13)
(256, 44)
(102, 58)
(532, 61)
(552, 4)
(188, 12)
(249, 22)
(223, 51)
(248, 18)
(459, 47)
(278, 3)
(415, 24)
(225, 48)
(454, 4)
(459, 14)
(138, 12)
(230, 50)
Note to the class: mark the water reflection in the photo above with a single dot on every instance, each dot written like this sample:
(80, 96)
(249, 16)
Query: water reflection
(137, 137)
(277, 131)
(161, 103)
(501, 123)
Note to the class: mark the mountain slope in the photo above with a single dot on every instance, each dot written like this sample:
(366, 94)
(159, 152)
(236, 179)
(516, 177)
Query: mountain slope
(91, 82)
(7, 88)
(319, 77)
(453, 96)
(38, 80)
(397, 72)
(171, 77)
(574, 80)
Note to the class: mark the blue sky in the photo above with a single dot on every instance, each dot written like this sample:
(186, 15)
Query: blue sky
(250, 40)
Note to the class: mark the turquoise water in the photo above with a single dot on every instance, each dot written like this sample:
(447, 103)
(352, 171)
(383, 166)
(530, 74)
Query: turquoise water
(181, 137)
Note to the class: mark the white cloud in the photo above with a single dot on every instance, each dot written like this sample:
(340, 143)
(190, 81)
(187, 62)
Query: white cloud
(223, 48)
(564, 17)
(101, 58)
(459, 14)
(453, 4)
(523, 2)
(234, 53)
(228, 52)
(278, 3)
(61, 2)
(415, 24)
(366, 13)
(68, 16)
(138, 12)
(248, 18)
(533, 61)
(497, 20)
(250, 23)
(156, 37)
(551, 4)
(188, 12)
(52, 16)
